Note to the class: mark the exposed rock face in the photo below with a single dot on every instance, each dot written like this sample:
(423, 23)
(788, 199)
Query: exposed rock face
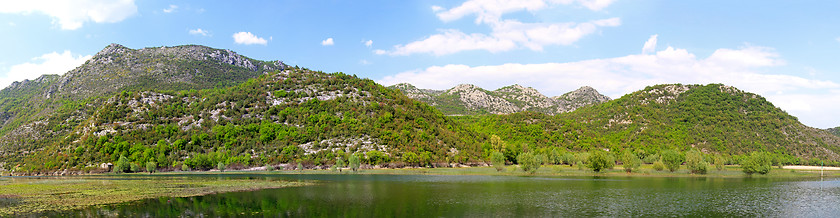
(467, 99)
(117, 66)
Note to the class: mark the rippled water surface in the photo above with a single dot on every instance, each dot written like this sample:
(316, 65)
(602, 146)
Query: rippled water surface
(501, 196)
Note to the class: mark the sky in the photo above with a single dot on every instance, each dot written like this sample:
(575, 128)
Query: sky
(786, 51)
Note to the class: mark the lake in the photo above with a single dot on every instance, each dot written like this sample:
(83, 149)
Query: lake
(499, 196)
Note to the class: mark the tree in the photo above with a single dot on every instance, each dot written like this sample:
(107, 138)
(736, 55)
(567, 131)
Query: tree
(630, 161)
(658, 165)
(530, 162)
(151, 167)
(122, 165)
(300, 167)
(498, 160)
(695, 163)
(339, 164)
(221, 166)
(354, 162)
(599, 160)
(569, 159)
(757, 162)
(411, 158)
(671, 159)
(185, 167)
(719, 162)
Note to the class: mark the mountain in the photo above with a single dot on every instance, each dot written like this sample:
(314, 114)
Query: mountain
(289, 114)
(115, 69)
(713, 118)
(466, 99)
(835, 131)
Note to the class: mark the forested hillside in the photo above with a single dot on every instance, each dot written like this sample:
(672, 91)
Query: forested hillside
(712, 118)
(296, 115)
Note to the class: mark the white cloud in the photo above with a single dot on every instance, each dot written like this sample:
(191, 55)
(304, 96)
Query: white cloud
(369, 43)
(50, 63)
(172, 8)
(71, 15)
(328, 42)
(365, 62)
(379, 52)
(742, 68)
(199, 31)
(436, 8)
(650, 45)
(505, 34)
(247, 38)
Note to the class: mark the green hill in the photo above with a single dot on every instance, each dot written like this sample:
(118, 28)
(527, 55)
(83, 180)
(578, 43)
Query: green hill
(115, 69)
(712, 118)
(291, 115)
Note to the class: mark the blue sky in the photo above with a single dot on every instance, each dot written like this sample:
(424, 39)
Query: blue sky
(784, 50)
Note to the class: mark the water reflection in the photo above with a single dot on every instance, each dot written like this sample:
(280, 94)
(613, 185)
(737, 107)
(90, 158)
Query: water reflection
(499, 196)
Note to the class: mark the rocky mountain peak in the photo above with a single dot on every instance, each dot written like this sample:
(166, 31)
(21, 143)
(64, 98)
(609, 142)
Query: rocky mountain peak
(585, 94)
(471, 99)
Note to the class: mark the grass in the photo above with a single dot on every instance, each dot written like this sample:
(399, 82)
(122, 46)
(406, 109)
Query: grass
(20, 196)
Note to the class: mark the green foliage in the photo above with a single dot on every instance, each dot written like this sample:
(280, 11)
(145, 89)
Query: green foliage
(672, 159)
(569, 158)
(530, 162)
(299, 166)
(135, 167)
(122, 165)
(498, 160)
(630, 161)
(185, 167)
(221, 166)
(695, 163)
(658, 165)
(151, 167)
(375, 157)
(354, 162)
(600, 160)
(411, 158)
(757, 162)
(339, 163)
(651, 158)
(719, 162)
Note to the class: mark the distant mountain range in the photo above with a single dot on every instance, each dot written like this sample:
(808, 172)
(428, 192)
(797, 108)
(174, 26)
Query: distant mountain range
(467, 99)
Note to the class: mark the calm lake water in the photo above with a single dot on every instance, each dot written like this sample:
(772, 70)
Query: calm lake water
(500, 196)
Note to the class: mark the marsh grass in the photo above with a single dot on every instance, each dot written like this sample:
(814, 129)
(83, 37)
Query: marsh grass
(20, 196)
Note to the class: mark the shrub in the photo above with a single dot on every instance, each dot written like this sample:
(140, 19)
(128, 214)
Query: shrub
(600, 160)
(651, 158)
(135, 167)
(498, 160)
(339, 164)
(221, 166)
(300, 166)
(530, 162)
(757, 162)
(269, 168)
(630, 161)
(719, 162)
(580, 165)
(122, 165)
(354, 162)
(569, 159)
(658, 165)
(695, 163)
(184, 167)
(151, 167)
(671, 159)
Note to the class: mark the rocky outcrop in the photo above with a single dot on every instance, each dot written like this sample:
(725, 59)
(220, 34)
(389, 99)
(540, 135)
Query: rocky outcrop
(466, 99)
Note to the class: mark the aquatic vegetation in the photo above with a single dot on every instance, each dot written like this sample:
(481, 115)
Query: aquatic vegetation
(31, 195)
